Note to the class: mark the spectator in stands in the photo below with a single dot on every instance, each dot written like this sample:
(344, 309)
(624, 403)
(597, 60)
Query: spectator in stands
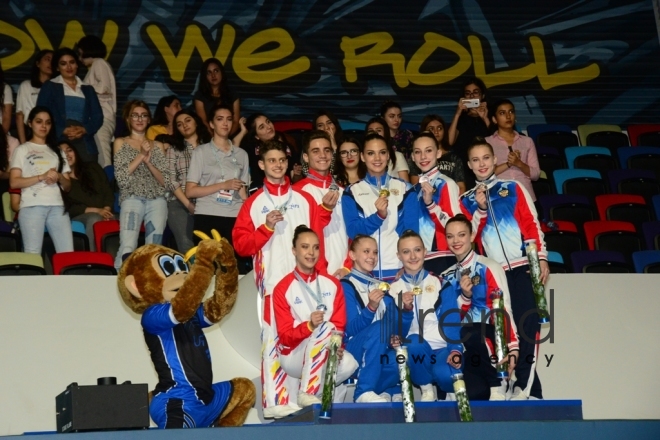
(7, 100)
(28, 92)
(328, 122)
(214, 89)
(349, 168)
(163, 123)
(217, 178)
(40, 170)
(260, 130)
(142, 175)
(469, 122)
(92, 53)
(90, 199)
(516, 154)
(449, 163)
(188, 135)
(7, 146)
(397, 166)
(391, 112)
(77, 114)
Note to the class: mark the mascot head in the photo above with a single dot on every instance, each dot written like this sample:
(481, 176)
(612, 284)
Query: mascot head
(152, 274)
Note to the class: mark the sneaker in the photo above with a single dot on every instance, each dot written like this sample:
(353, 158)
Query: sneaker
(370, 397)
(496, 393)
(398, 397)
(518, 394)
(279, 411)
(305, 399)
(428, 393)
(386, 396)
(451, 397)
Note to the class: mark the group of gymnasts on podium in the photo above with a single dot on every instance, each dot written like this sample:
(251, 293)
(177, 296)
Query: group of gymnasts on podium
(389, 263)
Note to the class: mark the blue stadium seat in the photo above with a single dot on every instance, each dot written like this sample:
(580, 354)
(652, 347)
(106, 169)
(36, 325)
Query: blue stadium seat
(599, 262)
(573, 153)
(533, 130)
(625, 153)
(647, 261)
(579, 182)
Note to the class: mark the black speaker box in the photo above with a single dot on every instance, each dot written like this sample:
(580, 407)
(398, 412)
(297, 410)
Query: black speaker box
(102, 407)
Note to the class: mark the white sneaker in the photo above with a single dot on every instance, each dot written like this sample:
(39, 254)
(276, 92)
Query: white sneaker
(496, 393)
(397, 397)
(305, 399)
(451, 397)
(518, 394)
(279, 411)
(428, 393)
(370, 397)
(386, 396)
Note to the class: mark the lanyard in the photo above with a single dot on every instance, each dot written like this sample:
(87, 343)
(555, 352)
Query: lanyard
(218, 159)
(316, 295)
(368, 279)
(380, 190)
(415, 280)
(333, 186)
(282, 208)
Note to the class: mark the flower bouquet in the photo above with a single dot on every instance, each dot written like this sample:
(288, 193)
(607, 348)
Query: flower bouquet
(501, 349)
(537, 286)
(330, 374)
(464, 410)
(406, 385)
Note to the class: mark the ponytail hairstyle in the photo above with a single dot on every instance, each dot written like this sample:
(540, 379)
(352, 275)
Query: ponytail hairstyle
(301, 229)
(409, 233)
(51, 140)
(360, 238)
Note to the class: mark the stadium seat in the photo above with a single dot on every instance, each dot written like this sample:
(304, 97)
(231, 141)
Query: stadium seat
(613, 236)
(20, 263)
(351, 125)
(640, 182)
(558, 140)
(110, 173)
(106, 235)
(624, 207)
(650, 139)
(585, 130)
(575, 209)
(608, 139)
(647, 261)
(9, 242)
(564, 240)
(7, 213)
(655, 200)
(590, 158)
(550, 160)
(651, 232)
(533, 130)
(292, 125)
(83, 263)
(641, 158)
(542, 187)
(556, 262)
(580, 182)
(635, 130)
(600, 262)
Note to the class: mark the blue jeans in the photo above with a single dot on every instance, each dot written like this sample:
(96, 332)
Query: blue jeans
(135, 210)
(32, 221)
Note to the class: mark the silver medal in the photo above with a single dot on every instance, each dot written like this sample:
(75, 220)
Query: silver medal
(334, 187)
(322, 308)
(423, 179)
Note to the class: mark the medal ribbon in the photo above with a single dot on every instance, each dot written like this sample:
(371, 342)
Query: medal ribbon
(281, 208)
(415, 280)
(316, 295)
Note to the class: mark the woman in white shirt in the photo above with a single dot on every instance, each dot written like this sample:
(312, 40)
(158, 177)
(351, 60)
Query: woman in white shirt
(92, 53)
(40, 170)
(7, 100)
(26, 98)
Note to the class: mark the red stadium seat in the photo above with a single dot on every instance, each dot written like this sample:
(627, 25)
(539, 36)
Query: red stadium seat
(83, 263)
(635, 130)
(599, 227)
(101, 229)
(292, 125)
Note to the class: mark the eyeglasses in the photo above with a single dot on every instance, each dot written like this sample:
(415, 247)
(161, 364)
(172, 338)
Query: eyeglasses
(351, 152)
(136, 117)
(476, 93)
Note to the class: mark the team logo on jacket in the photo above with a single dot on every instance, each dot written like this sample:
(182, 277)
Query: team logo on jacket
(265, 210)
(428, 288)
(297, 300)
(475, 280)
(503, 192)
(326, 294)
(395, 192)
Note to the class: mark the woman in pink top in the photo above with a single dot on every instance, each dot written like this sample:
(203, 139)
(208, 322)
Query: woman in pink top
(516, 154)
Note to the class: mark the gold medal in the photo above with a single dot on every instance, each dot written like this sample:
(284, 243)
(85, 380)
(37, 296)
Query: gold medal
(417, 290)
(384, 192)
(384, 286)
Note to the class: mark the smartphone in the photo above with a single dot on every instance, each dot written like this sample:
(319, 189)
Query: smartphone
(471, 103)
(510, 149)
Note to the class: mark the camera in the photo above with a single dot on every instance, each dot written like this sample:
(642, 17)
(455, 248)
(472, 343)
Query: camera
(471, 103)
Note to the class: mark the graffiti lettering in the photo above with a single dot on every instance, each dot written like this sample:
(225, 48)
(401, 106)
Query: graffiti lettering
(246, 57)
(36, 35)
(192, 39)
(370, 50)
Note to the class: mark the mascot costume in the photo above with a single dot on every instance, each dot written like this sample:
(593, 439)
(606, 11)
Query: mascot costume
(156, 282)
